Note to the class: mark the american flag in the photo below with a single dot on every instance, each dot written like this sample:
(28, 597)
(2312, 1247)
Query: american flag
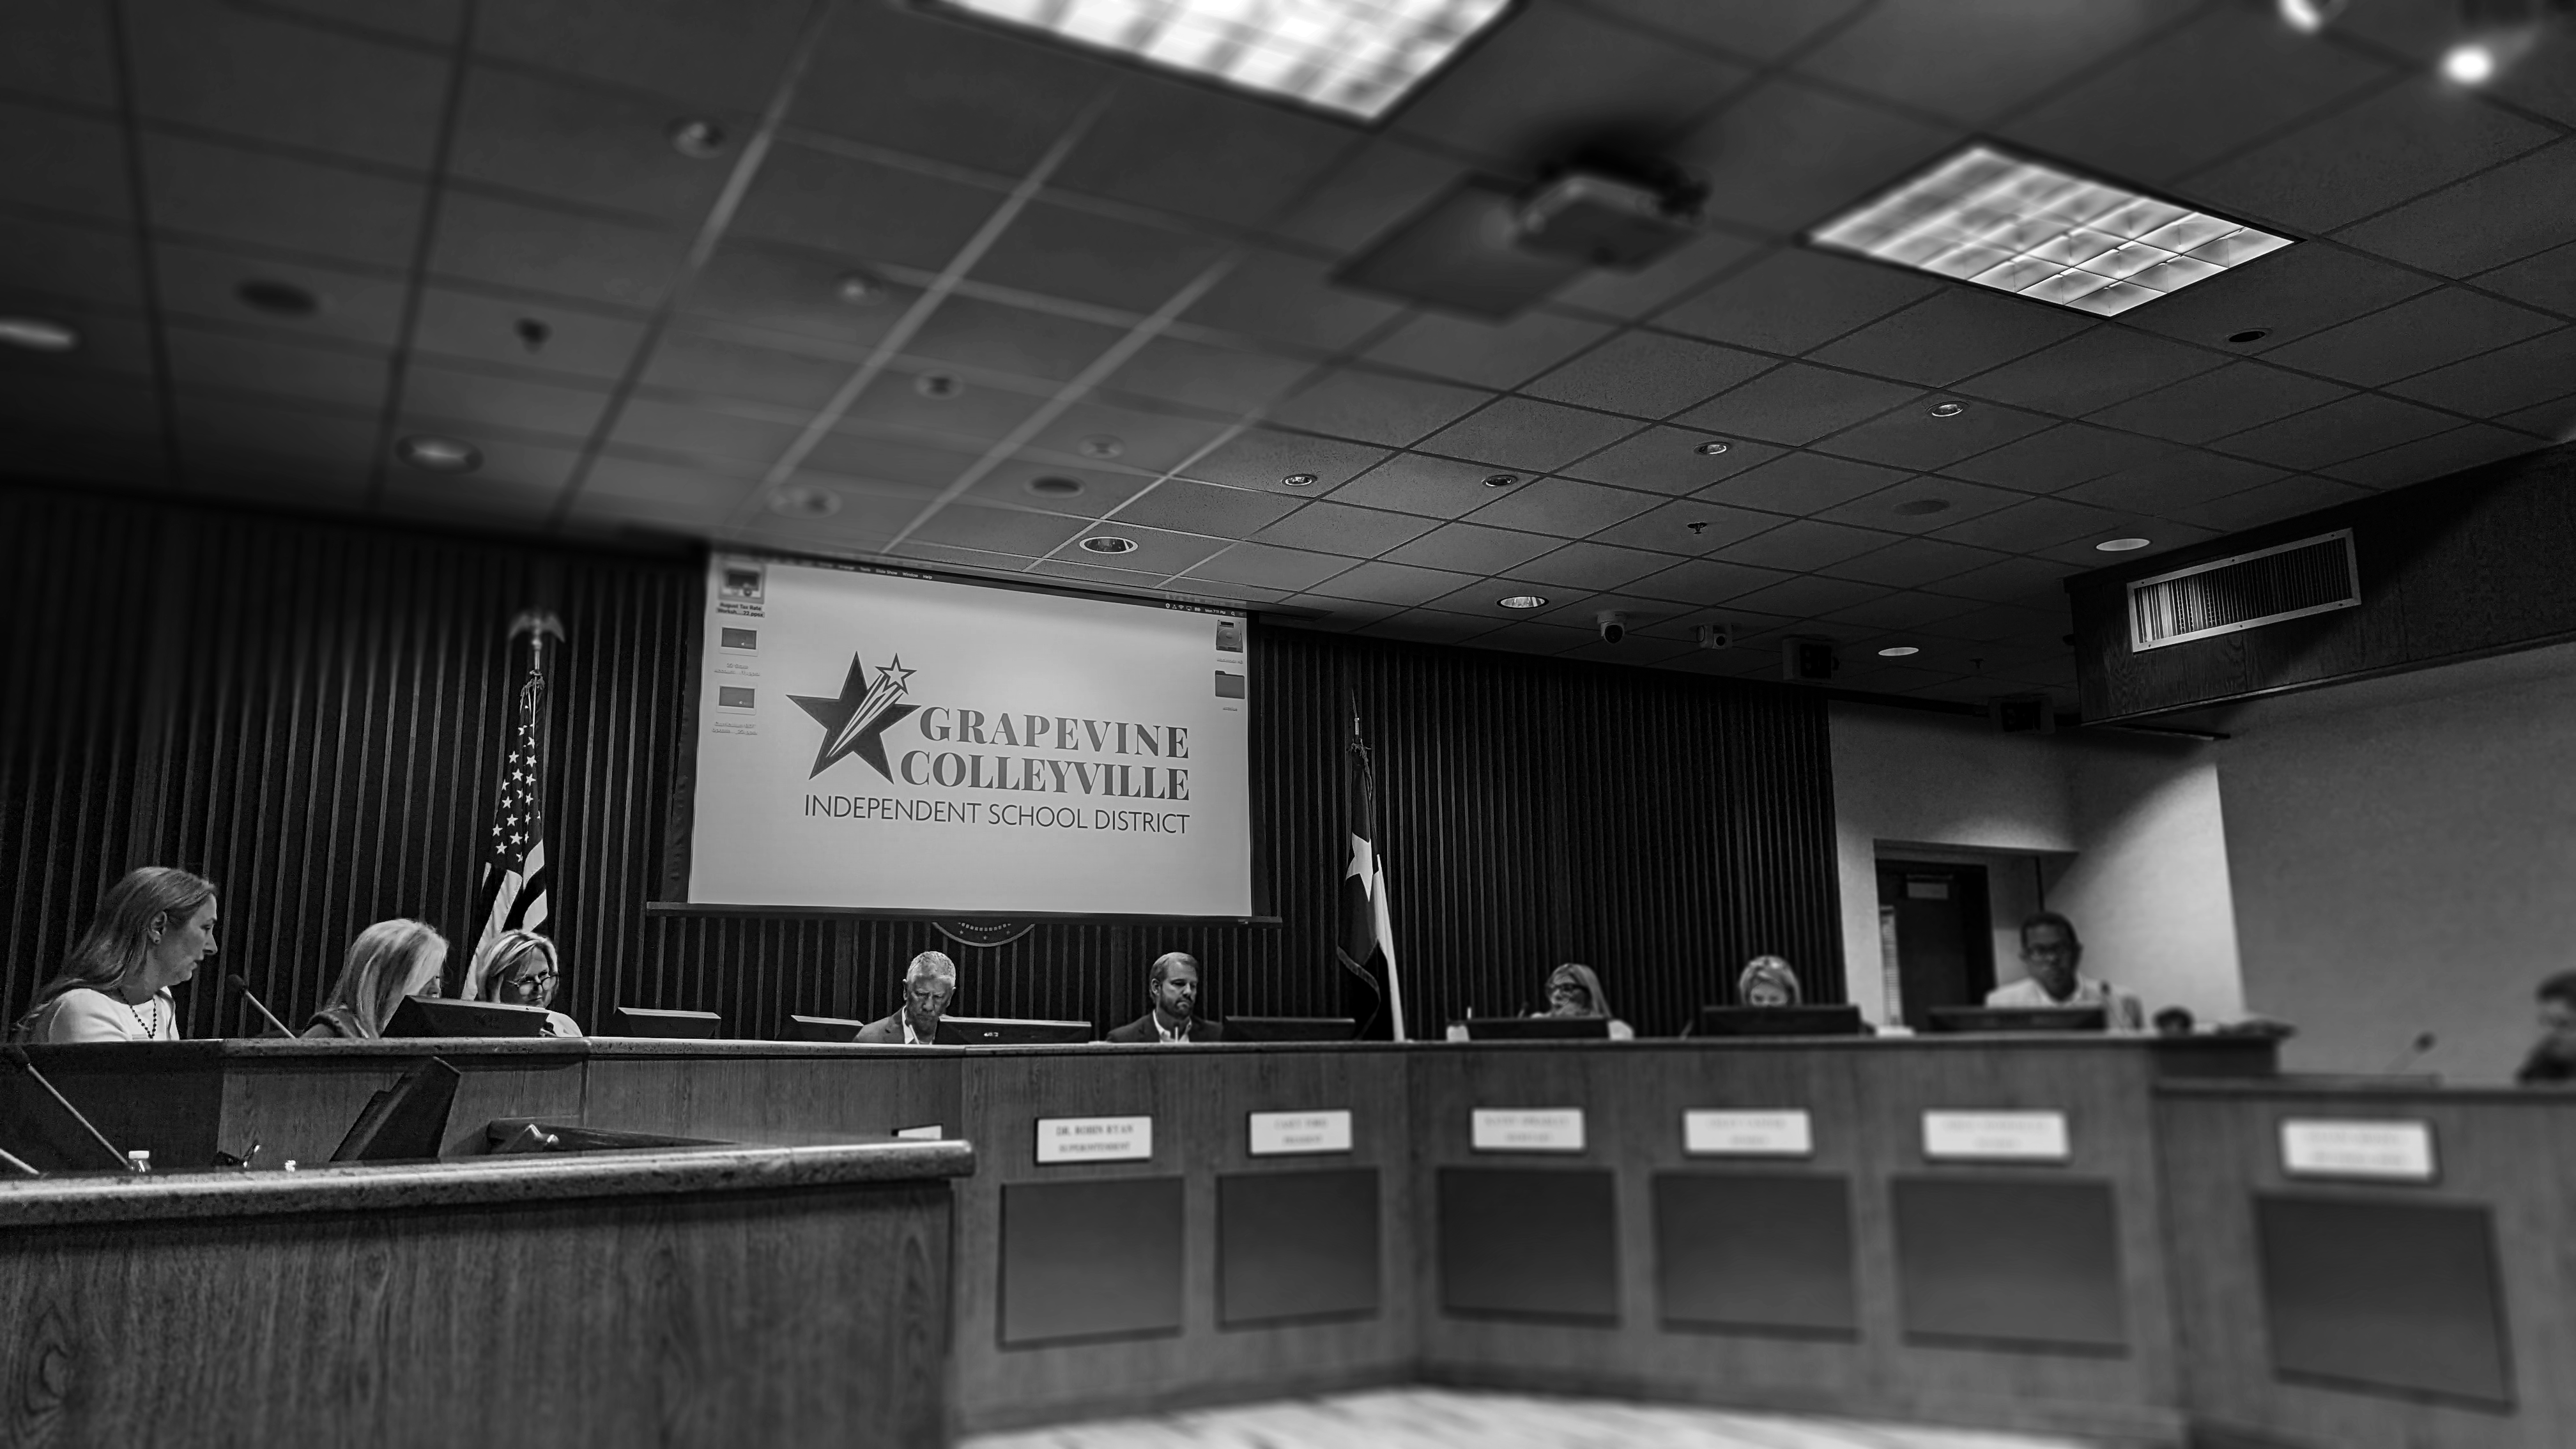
(513, 892)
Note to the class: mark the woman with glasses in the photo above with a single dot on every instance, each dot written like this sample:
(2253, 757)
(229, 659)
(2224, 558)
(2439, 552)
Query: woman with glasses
(518, 968)
(1574, 989)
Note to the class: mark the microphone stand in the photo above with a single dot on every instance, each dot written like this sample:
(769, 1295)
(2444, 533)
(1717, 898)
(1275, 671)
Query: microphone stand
(241, 984)
(17, 1056)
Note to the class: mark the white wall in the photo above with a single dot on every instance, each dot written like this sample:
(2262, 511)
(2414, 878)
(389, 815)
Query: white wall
(2149, 887)
(2404, 859)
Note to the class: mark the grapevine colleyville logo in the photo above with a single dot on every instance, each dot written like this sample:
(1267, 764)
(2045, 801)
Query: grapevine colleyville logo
(855, 721)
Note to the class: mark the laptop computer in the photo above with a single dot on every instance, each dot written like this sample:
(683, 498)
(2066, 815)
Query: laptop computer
(656, 1022)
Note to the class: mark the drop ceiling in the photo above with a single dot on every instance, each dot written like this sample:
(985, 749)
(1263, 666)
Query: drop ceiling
(1079, 269)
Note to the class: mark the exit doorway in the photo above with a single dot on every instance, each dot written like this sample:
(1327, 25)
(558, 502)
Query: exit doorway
(1935, 935)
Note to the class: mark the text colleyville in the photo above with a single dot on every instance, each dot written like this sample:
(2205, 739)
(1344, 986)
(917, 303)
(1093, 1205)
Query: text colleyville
(1048, 732)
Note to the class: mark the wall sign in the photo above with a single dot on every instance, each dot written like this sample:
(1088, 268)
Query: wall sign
(1095, 1139)
(1526, 1129)
(2394, 1151)
(1995, 1137)
(1713, 1133)
(1286, 1134)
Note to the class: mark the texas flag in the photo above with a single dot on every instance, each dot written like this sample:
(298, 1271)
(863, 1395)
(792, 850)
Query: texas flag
(1367, 947)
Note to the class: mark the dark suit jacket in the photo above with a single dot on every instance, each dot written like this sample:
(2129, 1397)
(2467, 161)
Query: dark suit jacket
(884, 1031)
(1142, 1030)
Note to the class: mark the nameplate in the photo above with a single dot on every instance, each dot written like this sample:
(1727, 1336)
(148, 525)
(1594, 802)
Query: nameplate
(1995, 1136)
(1286, 1134)
(919, 1134)
(1095, 1139)
(1709, 1133)
(1539, 1129)
(2371, 1151)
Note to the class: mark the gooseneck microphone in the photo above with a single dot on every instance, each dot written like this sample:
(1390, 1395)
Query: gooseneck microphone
(2424, 1042)
(17, 1057)
(241, 984)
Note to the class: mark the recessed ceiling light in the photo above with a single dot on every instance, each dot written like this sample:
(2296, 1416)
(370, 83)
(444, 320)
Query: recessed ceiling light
(1715, 446)
(937, 385)
(2470, 64)
(282, 299)
(38, 334)
(1522, 601)
(2043, 233)
(1051, 487)
(2250, 334)
(1917, 507)
(1358, 57)
(1298, 480)
(804, 500)
(1501, 480)
(2310, 16)
(438, 455)
(1898, 651)
(1948, 409)
(858, 288)
(2120, 545)
(1101, 445)
(697, 138)
(1108, 543)
(532, 333)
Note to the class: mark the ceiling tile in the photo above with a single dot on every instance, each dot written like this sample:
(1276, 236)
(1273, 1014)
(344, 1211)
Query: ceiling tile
(1802, 484)
(1669, 460)
(2063, 455)
(1526, 436)
(1027, 534)
(2005, 621)
(1909, 507)
(1804, 544)
(1594, 566)
(1634, 294)
(576, 341)
(484, 240)
(732, 54)
(2555, 421)
(2347, 428)
(2413, 336)
(1794, 299)
(1472, 548)
(1338, 528)
(1562, 507)
(1498, 355)
(1370, 194)
(1707, 581)
(1205, 508)
(2214, 404)
(674, 428)
(1150, 441)
(349, 377)
(1763, 29)
(2092, 370)
(112, 405)
(1645, 374)
(1811, 596)
(862, 213)
(1418, 483)
(703, 495)
(789, 290)
(482, 401)
(2547, 280)
(297, 206)
(1529, 636)
(2289, 294)
(971, 94)
(2161, 533)
(1901, 612)
(1375, 407)
(2030, 525)
(1261, 457)
(579, 145)
(973, 418)
(2292, 496)
(62, 50)
(63, 163)
(1083, 257)
(1279, 568)
(2500, 381)
(94, 261)
(1287, 300)
(1392, 583)
(2171, 486)
(2366, 157)
(1548, 79)
(970, 332)
(1911, 437)
(2246, 75)
(1788, 154)
(690, 363)
(237, 71)
(2434, 457)
(1225, 380)
(1913, 563)
(914, 466)
(1206, 151)
(1797, 404)
(1669, 528)
(1101, 491)
(2486, 221)
(1970, 60)
(1427, 626)
(1157, 551)
(1953, 334)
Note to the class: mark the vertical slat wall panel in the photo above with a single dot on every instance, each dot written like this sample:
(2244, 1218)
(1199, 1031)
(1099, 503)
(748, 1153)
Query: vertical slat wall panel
(337, 724)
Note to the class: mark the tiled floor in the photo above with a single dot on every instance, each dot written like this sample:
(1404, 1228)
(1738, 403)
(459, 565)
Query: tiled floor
(1442, 1419)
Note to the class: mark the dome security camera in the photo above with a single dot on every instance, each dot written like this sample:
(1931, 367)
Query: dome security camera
(1613, 624)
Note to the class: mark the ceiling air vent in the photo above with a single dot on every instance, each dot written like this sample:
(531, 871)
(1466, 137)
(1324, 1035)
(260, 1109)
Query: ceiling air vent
(2244, 591)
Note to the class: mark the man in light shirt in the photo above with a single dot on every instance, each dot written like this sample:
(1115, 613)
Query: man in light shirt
(927, 984)
(2050, 952)
(1173, 987)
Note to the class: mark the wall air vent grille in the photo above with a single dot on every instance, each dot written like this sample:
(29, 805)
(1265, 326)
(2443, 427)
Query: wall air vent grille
(2244, 591)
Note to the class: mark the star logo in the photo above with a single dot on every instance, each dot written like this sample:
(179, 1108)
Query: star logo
(855, 721)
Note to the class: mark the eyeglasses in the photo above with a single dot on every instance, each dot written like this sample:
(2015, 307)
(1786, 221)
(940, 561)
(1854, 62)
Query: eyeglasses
(540, 981)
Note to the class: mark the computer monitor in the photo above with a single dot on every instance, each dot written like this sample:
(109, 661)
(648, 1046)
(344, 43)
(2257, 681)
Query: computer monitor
(1536, 1028)
(437, 1016)
(1733, 1021)
(405, 1122)
(678, 1025)
(1008, 1031)
(823, 1028)
(1290, 1028)
(1966, 1019)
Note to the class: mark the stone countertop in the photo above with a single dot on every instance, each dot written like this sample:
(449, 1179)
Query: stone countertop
(535, 1177)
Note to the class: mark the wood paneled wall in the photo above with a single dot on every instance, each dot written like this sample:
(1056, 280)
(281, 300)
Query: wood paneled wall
(310, 712)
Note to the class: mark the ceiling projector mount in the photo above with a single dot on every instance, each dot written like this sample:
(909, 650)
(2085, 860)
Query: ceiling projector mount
(1622, 215)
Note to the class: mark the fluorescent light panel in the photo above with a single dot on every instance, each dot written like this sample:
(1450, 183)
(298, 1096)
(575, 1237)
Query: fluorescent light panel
(2021, 227)
(1358, 57)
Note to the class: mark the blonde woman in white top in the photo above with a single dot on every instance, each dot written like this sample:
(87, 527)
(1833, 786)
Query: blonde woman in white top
(152, 929)
(519, 968)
